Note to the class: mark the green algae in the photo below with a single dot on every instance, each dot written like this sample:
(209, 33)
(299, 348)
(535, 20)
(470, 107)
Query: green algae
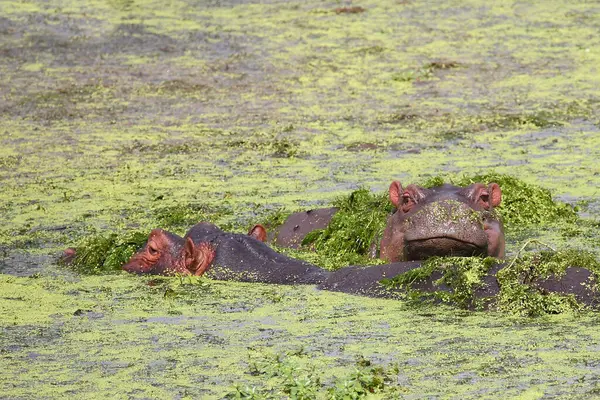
(168, 86)
(106, 253)
(463, 275)
(352, 232)
(524, 204)
(520, 292)
(123, 335)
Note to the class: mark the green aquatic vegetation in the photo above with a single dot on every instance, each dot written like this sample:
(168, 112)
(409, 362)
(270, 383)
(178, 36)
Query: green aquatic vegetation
(329, 259)
(104, 253)
(425, 72)
(359, 221)
(181, 217)
(463, 276)
(524, 204)
(519, 281)
(288, 377)
(167, 335)
(272, 218)
(519, 289)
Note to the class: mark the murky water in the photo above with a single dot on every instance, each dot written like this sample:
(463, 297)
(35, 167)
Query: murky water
(111, 110)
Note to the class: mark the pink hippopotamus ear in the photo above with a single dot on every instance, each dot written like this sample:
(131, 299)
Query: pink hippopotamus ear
(495, 194)
(258, 232)
(68, 256)
(396, 192)
(487, 197)
(197, 258)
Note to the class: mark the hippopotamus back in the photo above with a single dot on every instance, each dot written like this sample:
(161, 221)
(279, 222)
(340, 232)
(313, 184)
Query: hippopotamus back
(243, 258)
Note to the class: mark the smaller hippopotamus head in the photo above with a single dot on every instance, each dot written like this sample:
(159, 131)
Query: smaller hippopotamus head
(443, 221)
(168, 254)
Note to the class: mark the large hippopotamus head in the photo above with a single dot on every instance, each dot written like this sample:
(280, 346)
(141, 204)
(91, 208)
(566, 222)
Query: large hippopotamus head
(443, 221)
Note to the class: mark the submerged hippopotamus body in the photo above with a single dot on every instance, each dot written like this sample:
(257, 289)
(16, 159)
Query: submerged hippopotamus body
(367, 281)
(443, 221)
(207, 250)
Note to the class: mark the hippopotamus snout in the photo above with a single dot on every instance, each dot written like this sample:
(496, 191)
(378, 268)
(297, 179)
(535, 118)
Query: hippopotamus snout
(443, 221)
(447, 227)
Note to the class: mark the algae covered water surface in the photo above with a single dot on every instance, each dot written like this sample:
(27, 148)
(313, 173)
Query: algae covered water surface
(122, 116)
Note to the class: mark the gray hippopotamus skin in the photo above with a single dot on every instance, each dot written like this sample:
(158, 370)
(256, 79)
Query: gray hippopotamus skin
(243, 258)
(299, 224)
(207, 250)
(366, 281)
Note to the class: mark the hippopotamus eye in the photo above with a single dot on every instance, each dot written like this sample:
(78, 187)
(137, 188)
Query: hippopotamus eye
(152, 251)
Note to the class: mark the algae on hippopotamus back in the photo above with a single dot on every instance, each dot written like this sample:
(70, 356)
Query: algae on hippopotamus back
(527, 285)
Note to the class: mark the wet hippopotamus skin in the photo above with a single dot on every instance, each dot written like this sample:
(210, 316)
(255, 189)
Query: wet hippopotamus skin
(366, 281)
(242, 258)
(207, 250)
(299, 224)
(443, 221)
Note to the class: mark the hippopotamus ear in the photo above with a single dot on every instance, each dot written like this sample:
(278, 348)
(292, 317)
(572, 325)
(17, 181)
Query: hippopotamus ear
(396, 193)
(258, 232)
(495, 194)
(197, 258)
(67, 256)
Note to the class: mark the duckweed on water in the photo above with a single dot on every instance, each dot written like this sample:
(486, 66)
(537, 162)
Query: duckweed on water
(183, 216)
(290, 376)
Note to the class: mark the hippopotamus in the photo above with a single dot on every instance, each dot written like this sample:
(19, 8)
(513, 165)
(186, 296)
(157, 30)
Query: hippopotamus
(299, 224)
(367, 281)
(445, 220)
(207, 250)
